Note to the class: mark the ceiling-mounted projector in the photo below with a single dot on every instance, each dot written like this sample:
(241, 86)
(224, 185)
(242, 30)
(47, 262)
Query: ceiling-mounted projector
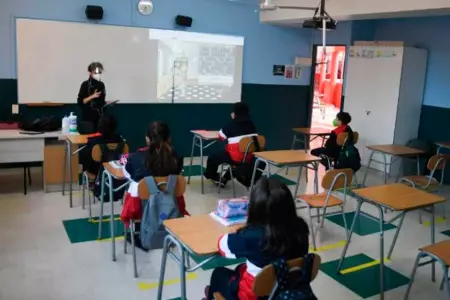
(316, 23)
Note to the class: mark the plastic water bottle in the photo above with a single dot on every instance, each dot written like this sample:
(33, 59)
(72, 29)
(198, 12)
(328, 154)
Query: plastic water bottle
(72, 123)
(65, 125)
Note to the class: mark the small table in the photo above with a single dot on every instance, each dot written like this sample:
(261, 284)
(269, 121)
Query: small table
(440, 145)
(285, 159)
(108, 174)
(76, 139)
(198, 137)
(191, 235)
(391, 150)
(396, 197)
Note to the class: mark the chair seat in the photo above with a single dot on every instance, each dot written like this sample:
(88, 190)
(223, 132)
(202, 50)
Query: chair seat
(318, 200)
(422, 181)
(440, 250)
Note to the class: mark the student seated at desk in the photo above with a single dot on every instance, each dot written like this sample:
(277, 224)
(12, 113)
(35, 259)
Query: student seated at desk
(240, 126)
(273, 231)
(332, 149)
(158, 159)
(106, 134)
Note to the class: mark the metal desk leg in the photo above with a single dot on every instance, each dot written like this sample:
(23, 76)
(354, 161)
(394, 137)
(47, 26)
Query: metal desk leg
(399, 226)
(162, 270)
(182, 273)
(433, 224)
(294, 141)
(69, 161)
(254, 173)
(192, 158)
(100, 217)
(299, 176)
(111, 194)
(201, 164)
(385, 168)
(349, 236)
(66, 146)
(418, 164)
(316, 177)
(381, 222)
(367, 168)
(306, 151)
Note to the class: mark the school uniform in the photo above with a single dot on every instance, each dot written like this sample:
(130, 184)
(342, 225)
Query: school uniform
(232, 134)
(85, 154)
(90, 114)
(135, 170)
(247, 243)
(331, 147)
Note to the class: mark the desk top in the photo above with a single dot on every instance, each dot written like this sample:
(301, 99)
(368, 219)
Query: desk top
(78, 139)
(206, 134)
(286, 157)
(398, 196)
(443, 144)
(312, 131)
(396, 150)
(198, 233)
(15, 134)
(115, 172)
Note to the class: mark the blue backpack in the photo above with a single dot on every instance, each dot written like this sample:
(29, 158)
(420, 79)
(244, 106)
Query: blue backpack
(161, 206)
(294, 284)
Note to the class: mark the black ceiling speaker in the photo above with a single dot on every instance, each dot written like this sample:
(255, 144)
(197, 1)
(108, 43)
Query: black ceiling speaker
(94, 12)
(183, 21)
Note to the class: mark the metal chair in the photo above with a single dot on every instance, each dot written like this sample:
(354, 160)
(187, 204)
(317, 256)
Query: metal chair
(333, 180)
(427, 182)
(246, 146)
(144, 194)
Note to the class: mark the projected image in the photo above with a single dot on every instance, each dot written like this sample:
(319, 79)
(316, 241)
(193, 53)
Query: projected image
(197, 71)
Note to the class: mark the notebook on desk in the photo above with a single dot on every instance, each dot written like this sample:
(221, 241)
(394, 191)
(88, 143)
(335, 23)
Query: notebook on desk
(230, 221)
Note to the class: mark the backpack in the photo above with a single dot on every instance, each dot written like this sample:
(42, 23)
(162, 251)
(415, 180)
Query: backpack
(46, 124)
(243, 172)
(349, 157)
(107, 156)
(293, 284)
(161, 206)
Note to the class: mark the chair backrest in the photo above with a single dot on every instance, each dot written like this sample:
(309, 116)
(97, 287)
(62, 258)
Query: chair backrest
(97, 150)
(335, 179)
(247, 145)
(266, 279)
(343, 136)
(144, 192)
(437, 162)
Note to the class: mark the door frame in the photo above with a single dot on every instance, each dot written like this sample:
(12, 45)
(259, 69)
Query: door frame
(312, 77)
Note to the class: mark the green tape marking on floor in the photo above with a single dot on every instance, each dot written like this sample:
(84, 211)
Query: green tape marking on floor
(364, 277)
(83, 230)
(365, 224)
(195, 170)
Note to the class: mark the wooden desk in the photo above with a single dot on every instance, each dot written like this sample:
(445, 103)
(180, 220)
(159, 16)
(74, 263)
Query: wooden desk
(191, 235)
(197, 141)
(71, 141)
(109, 172)
(393, 151)
(307, 135)
(397, 197)
(284, 159)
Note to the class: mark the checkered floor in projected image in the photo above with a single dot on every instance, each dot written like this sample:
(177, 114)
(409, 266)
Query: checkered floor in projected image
(193, 93)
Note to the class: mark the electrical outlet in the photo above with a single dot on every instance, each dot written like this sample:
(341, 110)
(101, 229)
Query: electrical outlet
(15, 109)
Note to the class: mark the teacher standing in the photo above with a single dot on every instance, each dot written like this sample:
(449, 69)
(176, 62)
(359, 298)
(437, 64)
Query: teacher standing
(91, 98)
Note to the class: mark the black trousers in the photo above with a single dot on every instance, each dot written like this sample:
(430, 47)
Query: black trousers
(214, 161)
(325, 151)
(225, 282)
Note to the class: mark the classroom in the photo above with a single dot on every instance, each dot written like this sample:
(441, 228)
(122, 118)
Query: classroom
(186, 73)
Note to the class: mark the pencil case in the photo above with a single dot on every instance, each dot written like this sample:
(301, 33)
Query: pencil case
(236, 207)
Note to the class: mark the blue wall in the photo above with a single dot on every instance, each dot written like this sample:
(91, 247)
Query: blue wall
(265, 45)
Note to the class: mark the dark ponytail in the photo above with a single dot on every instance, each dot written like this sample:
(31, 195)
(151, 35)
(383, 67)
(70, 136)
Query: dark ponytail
(160, 159)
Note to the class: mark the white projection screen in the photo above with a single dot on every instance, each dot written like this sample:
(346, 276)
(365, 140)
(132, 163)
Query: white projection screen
(141, 65)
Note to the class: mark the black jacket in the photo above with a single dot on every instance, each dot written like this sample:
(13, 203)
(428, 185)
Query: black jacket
(90, 110)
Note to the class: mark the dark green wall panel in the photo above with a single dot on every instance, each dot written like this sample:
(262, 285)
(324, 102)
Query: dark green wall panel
(274, 108)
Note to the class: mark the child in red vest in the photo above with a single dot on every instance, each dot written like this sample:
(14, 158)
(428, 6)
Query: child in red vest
(332, 149)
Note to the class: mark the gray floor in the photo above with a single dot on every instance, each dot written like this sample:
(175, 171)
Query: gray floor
(37, 261)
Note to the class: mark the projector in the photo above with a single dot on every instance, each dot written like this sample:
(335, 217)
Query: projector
(316, 23)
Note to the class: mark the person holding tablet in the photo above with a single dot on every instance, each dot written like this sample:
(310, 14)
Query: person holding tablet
(91, 98)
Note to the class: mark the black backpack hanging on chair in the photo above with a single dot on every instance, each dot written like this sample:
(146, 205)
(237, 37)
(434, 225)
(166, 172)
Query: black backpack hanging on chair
(349, 157)
(244, 171)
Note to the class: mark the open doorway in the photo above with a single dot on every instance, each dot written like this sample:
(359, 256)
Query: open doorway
(328, 79)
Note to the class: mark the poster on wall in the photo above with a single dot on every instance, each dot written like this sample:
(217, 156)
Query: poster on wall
(297, 71)
(278, 70)
(289, 71)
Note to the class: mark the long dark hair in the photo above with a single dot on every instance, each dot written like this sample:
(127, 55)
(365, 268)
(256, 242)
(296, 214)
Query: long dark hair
(160, 160)
(272, 206)
(107, 125)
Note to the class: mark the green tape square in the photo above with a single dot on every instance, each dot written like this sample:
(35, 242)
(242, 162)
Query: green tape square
(81, 230)
(365, 224)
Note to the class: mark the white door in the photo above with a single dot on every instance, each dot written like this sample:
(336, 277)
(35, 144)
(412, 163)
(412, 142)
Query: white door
(371, 98)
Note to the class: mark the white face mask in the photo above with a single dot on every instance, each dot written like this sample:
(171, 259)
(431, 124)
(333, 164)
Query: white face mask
(97, 76)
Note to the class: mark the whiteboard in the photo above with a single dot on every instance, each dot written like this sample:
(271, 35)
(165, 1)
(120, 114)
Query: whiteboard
(141, 64)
